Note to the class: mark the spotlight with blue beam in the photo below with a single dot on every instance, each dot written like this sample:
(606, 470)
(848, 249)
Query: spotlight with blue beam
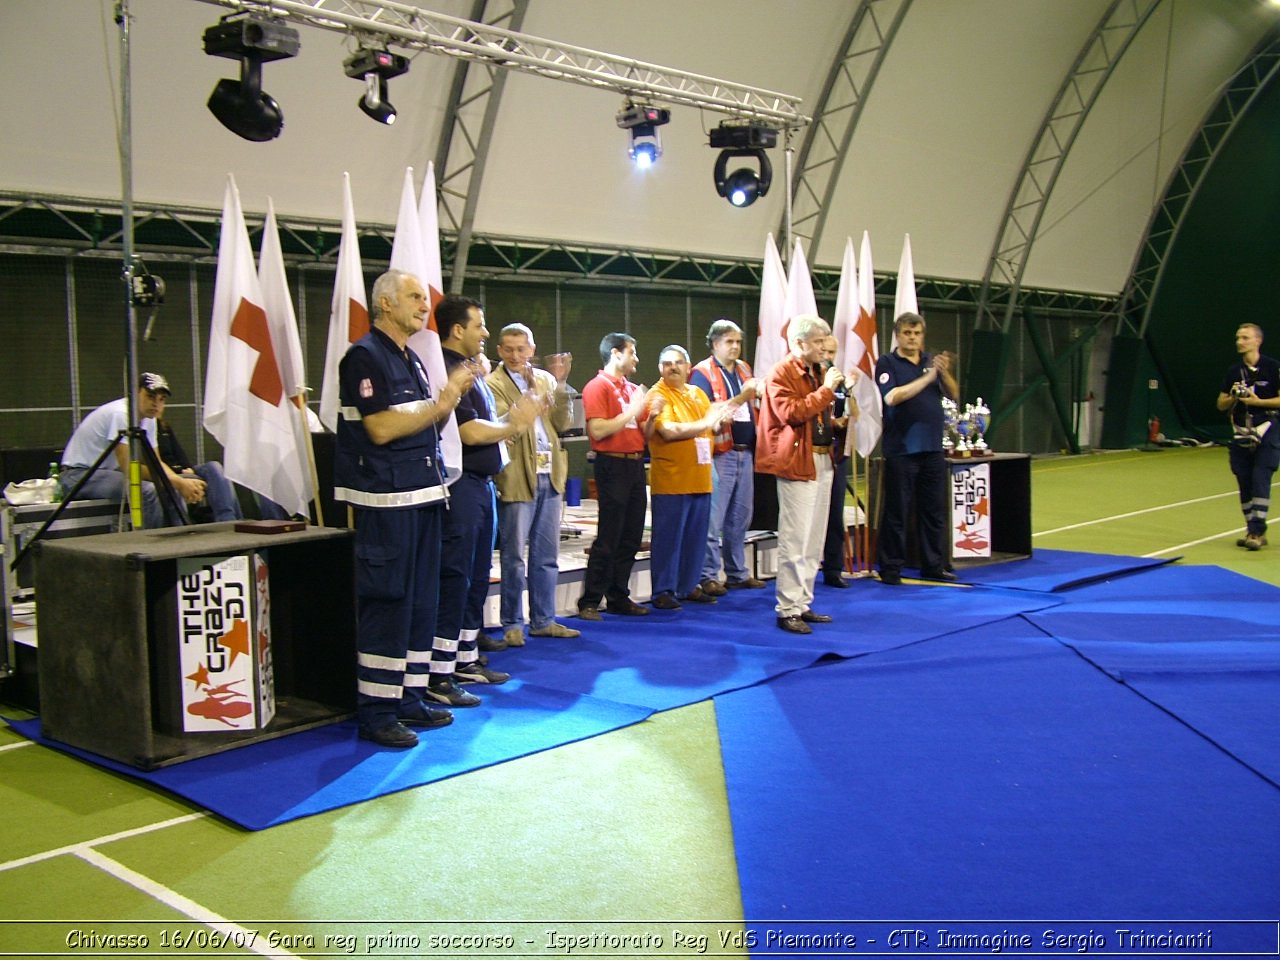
(643, 121)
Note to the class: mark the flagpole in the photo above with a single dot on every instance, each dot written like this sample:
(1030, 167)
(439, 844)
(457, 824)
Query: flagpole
(300, 403)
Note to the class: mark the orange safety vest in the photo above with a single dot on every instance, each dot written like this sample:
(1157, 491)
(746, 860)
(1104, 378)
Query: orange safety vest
(720, 391)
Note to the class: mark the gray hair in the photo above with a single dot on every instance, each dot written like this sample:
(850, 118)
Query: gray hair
(514, 329)
(721, 328)
(677, 348)
(387, 285)
(806, 326)
(907, 319)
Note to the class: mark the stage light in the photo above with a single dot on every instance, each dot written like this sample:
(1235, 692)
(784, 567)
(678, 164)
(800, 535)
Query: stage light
(735, 139)
(743, 186)
(375, 68)
(643, 120)
(243, 107)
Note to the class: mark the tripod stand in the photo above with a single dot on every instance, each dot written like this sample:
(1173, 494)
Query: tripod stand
(161, 480)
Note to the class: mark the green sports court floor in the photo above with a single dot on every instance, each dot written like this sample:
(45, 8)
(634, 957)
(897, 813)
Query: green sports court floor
(628, 828)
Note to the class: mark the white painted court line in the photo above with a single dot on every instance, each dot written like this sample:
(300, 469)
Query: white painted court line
(1136, 513)
(1233, 532)
(242, 937)
(15, 746)
(75, 848)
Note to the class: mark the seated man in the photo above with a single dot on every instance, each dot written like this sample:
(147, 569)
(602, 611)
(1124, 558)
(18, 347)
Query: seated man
(99, 431)
(219, 495)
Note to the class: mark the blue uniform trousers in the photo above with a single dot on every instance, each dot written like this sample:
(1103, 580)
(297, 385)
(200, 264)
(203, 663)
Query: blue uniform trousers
(1253, 470)
(920, 478)
(397, 575)
(466, 555)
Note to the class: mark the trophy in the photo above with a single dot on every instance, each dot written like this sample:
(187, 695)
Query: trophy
(981, 420)
(950, 433)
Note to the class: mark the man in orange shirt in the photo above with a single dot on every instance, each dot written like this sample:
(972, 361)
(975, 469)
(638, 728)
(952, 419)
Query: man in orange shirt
(615, 409)
(681, 429)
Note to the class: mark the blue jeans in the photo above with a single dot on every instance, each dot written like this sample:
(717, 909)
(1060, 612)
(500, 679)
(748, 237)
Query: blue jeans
(218, 492)
(112, 485)
(675, 557)
(732, 497)
(534, 524)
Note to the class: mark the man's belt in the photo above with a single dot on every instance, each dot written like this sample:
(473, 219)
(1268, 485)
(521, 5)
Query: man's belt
(743, 446)
(826, 448)
(621, 456)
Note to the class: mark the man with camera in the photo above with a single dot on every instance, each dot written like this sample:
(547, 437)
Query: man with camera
(1251, 396)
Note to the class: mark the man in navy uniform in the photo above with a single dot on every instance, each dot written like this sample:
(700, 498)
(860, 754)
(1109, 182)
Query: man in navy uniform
(1251, 394)
(388, 467)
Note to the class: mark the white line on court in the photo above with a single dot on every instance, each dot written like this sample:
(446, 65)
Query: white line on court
(1136, 513)
(15, 746)
(1233, 532)
(75, 848)
(243, 937)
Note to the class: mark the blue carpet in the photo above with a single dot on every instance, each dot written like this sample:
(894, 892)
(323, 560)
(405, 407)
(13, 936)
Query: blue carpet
(272, 782)
(990, 774)
(1202, 642)
(1052, 571)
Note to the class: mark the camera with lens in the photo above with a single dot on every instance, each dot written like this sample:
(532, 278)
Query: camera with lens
(1240, 390)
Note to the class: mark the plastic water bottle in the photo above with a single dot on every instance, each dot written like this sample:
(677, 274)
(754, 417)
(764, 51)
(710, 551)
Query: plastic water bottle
(57, 485)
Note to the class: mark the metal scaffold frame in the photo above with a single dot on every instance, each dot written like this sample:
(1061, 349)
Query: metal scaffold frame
(1106, 45)
(410, 27)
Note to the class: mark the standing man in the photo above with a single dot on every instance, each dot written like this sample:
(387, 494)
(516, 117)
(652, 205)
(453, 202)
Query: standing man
(100, 430)
(679, 428)
(387, 465)
(470, 522)
(530, 485)
(615, 408)
(1251, 393)
(794, 444)
(912, 384)
(724, 376)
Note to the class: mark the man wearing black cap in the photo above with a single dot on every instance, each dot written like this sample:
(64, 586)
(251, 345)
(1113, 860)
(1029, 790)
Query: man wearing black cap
(100, 430)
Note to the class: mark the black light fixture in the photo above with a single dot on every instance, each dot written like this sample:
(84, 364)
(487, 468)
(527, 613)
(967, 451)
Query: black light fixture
(737, 139)
(242, 106)
(375, 67)
(643, 121)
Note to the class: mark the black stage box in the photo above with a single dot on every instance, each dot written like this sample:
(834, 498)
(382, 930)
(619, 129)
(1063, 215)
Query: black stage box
(159, 646)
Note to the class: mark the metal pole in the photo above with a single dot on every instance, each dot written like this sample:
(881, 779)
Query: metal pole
(122, 17)
(786, 246)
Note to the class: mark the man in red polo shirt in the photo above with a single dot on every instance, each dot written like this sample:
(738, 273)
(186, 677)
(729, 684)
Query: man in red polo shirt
(615, 408)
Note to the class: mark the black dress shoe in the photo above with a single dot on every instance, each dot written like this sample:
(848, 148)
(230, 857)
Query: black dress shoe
(626, 608)
(891, 577)
(794, 625)
(945, 576)
(810, 617)
(394, 734)
(835, 580)
(423, 716)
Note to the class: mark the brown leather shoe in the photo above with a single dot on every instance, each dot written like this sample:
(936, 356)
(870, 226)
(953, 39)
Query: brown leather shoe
(713, 588)
(513, 636)
(666, 601)
(751, 583)
(793, 625)
(699, 596)
(556, 630)
(809, 616)
(589, 612)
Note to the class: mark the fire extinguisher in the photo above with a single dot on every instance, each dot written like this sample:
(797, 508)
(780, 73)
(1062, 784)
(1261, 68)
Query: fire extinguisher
(1153, 429)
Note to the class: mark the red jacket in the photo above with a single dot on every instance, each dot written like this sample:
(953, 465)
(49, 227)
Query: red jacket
(784, 433)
